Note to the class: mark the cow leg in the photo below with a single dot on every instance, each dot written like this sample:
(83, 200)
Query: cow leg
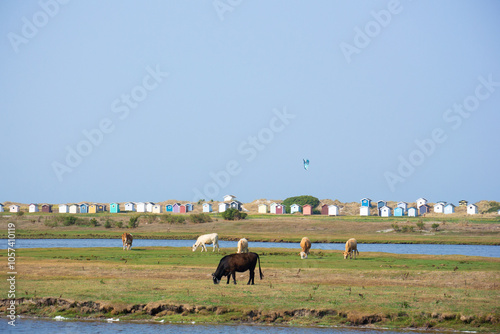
(203, 247)
(234, 277)
(252, 276)
(228, 278)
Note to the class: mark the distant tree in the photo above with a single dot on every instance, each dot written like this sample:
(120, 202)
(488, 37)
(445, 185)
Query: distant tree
(233, 214)
(301, 200)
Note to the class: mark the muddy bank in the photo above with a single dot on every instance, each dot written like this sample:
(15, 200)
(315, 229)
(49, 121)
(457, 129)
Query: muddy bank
(50, 307)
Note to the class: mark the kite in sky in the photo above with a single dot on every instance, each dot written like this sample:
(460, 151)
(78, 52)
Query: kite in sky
(306, 164)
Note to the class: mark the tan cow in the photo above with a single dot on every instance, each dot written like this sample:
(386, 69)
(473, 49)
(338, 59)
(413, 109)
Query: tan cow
(242, 246)
(127, 241)
(305, 244)
(351, 246)
(212, 238)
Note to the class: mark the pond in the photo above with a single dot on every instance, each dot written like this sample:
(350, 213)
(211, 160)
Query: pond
(426, 249)
(39, 326)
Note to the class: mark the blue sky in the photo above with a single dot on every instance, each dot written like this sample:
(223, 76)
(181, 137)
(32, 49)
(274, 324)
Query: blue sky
(157, 100)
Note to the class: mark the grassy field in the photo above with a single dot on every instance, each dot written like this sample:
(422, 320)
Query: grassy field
(291, 228)
(395, 291)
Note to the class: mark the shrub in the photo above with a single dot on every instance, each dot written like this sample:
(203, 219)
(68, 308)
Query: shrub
(494, 207)
(435, 226)
(20, 213)
(421, 225)
(107, 224)
(133, 222)
(50, 224)
(69, 220)
(407, 228)
(119, 224)
(200, 218)
(94, 222)
(396, 227)
(233, 214)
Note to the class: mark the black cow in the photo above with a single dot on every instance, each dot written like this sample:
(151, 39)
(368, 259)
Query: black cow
(241, 262)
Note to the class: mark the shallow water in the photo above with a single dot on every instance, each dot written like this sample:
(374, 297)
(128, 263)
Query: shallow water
(470, 250)
(38, 326)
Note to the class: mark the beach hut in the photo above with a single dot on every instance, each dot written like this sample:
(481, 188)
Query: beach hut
(324, 209)
(399, 212)
(114, 208)
(333, 210)
(472, 209)
(385, 211)
(33, 207)
(402, 205)
(449, 208)
(149, 206)
(364, 210)
(366, 202)
(421, 201)
(47, 208)
(423, 209)
(182, 208)
(84, 208)
(262, 208)
(63, 208)
(1, 207)
(169, 208)
(272, 207)
(189, 207)
(439, 207)
(207, 207)
(176, 208)
(156, 208)
(412, 212)
(96, 208)
(129, 206)
(280, 209)
(295, 208)
(463, 203)
(228, 198)
(235, 205)
(93, 208)
(140, 207)
(74, 208)
(307, 210)
(14, 208)
(223, 206)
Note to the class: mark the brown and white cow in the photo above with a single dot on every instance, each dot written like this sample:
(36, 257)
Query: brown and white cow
(242, 246)
(230, 264)
(127, 241)
(305, 244)
(351, 246)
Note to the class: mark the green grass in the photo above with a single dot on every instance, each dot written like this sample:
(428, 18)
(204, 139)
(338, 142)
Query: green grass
(399, 289)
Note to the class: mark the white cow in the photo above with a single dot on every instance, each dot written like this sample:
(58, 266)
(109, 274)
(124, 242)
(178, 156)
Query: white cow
(212, 238)
(305, 244)
(351, 247)
(242, 246)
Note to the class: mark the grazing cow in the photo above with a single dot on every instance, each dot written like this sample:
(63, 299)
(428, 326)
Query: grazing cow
(127, 241)
(351, 246)
(230, 264)
(212, 238)
(305, 244)
(242, 246)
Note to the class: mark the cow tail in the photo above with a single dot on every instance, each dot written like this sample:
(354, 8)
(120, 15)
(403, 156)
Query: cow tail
(260, 271)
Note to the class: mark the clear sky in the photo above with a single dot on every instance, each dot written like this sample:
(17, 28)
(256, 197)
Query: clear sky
(155, 100)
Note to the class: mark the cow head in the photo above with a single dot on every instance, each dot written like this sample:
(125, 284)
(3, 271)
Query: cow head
(346, 254)
(194, 247)
(216, 280)
(303, 255)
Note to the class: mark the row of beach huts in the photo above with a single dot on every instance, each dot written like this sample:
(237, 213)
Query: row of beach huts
(402, 209)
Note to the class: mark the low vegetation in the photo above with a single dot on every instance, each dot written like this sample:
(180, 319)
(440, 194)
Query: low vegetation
(174, 284)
